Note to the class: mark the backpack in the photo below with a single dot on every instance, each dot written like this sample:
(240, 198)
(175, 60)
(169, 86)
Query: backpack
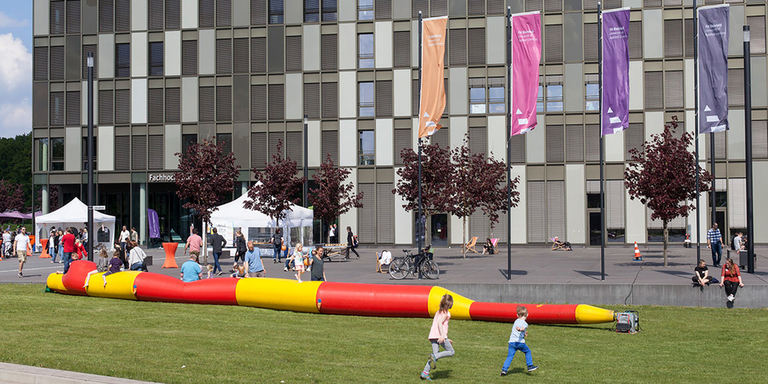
(278, 240)
(354, 241)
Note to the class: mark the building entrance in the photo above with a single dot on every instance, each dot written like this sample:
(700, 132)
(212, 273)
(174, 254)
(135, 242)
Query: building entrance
(439, 230)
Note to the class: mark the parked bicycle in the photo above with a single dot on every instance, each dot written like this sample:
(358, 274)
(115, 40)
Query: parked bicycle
(401, 267)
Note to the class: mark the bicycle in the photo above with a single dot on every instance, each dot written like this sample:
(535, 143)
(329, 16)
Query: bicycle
(401, 267)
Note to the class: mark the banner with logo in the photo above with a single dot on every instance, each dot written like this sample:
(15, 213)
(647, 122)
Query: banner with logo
(713, 68)
(615, 108)
(432, 92)
(154, 224)
(526, 56)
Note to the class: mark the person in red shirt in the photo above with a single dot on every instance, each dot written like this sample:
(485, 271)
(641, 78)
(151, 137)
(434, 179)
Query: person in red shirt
(730, 277)
(82, 254)
(69, 247)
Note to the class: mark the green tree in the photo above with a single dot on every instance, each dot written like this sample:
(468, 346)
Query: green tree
(16, 160)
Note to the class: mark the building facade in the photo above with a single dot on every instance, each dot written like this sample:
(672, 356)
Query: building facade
(245, 72)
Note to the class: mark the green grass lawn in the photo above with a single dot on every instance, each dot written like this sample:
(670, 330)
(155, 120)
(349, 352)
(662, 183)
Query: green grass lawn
(184, 343)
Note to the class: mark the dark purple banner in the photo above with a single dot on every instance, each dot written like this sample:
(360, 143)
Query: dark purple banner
(615, 108)
(154, 224)
(713, 68)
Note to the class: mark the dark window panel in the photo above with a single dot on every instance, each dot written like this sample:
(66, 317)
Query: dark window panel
(57, 63)
(293, 53)
(57, 17)
(330, 100)
(476, 46)
(384, 98)
(276, 101)
(224, 103)
(73, 108)
(223, 56)
(156, 58)
(122, 15)
(312, 100)
(329, 60)
(90, 49)
(172, 14)
(241, 52)
(122, 106)
(155, 152)
(41, 63)
(173, 105)
(206, 12)
(258, 54)
(259, 102)
(206, 106)
(122, 60)
(419, 5)
(138, 153)
(155, 108)
(57, 108)
(189, 57)
(223, 13)
(156, 16)
(458, 46)
(258, 12)
(73, 16)
(383, 9)
(106, 15)
(258, 149)
(402, 48)
(122, 151)
(106, 107)
(329, 146)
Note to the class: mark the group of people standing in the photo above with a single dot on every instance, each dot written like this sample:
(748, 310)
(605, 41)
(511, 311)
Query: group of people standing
(67, 244)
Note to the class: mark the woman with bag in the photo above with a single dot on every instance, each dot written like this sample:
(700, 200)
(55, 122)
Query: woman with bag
(351, 243)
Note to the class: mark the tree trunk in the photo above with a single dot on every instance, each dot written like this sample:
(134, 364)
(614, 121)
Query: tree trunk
(666, 240)
(464, 237)
(205, 244)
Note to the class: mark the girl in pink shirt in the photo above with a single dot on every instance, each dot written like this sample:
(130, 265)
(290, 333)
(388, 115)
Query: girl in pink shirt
(438, 336)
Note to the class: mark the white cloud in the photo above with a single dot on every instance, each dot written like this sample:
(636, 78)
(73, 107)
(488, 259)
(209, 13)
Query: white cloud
(9, 22)
(15, 118)
(15, 63)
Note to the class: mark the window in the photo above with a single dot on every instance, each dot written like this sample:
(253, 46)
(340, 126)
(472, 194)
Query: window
(223, 56)
(73, 108)
(106, 15)
(402, 46)
(365, 10)
(57, 154)
(329, 52)
(225, 139)
(189, 57)
(122, 15)
(365, 95)
(276, 11)
(757, 34)
(496, 95)
(86, 50)
(365, 49)
(42, 155)
(156, 59)
(186, 141)
(540, 99)
(223, 13)
(554, 93)
(477, 96)
(673, 38)
(553, 43)
(329, 10)
(172, 14)
(311, 11)
(57, 63)
(122, 60)
(593, 92)
(73, 16)
(41, 63)
(366, 147)
(156, 16)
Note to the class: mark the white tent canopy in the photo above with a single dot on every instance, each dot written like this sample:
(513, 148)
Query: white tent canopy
(230, 216)
(75, 214)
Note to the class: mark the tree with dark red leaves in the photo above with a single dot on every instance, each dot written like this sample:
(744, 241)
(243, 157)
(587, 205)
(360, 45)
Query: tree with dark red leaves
(662, 175)
(492, 188)
(206, 176)
(53, 198)
(12, 196)
(279, 187)
(333, 198)
(436, 180)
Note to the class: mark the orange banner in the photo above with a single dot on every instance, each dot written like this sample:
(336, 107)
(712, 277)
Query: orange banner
(432, 101)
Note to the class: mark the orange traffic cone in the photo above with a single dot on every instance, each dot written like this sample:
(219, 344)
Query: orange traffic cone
(638, 256)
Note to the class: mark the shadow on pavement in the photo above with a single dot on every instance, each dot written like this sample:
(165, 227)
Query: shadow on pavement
(591, 274)
(514, 272)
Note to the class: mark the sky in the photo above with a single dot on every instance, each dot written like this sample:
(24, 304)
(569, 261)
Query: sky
(15, 67)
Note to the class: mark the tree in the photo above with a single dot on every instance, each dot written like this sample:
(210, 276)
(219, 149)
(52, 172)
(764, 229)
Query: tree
(16, 158)
(53, 198)
(436, 179)
(206, 175)
(662, 175)
(13, 196)
(333, 198)
(493, 190)
(278, 188)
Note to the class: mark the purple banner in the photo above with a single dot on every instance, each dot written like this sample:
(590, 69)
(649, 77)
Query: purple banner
(154, 224)
(615, 108)
(713, 68)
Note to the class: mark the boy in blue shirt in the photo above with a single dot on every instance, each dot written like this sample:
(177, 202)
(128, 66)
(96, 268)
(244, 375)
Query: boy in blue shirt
(517, 341)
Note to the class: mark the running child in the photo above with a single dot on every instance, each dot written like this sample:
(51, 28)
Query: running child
(517, 341)
(438, 336)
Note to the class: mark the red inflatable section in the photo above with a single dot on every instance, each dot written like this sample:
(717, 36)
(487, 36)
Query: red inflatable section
(374, 300)
(157, 287)
(74, 279)
(539, 314)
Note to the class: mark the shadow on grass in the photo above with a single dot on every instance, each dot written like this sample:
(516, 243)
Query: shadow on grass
(591, 274)
(514, 272)
(442, 374)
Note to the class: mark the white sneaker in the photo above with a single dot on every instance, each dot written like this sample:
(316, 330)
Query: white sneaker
(285, 269)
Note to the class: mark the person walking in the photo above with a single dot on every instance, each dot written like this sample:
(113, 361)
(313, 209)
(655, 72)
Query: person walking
(68, 241)
(125, 237)
(240, 246)
(351, 243)
(715, 243)
(21, 246)
(194, 242)
(438, 336)
(277, 244)
(316, 265)
(217, 242)
(253, 265)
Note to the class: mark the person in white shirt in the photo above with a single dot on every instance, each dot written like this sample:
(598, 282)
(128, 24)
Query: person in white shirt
(125, 237)
(21, 245)
(386, 257)
(136, 258)
(7, 243)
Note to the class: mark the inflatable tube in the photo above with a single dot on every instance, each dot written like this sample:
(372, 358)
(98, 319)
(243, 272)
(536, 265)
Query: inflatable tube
(312, 297)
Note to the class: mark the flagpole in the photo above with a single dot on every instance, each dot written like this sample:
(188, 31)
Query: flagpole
(600, 124)
(419, 226)
(509, 148)
(696, 129)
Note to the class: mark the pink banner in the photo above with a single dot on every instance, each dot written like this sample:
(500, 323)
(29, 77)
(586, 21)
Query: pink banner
(526, 56)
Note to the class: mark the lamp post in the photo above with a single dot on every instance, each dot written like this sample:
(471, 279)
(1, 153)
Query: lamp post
(306, 171)
(91, 238)
(748, 152)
